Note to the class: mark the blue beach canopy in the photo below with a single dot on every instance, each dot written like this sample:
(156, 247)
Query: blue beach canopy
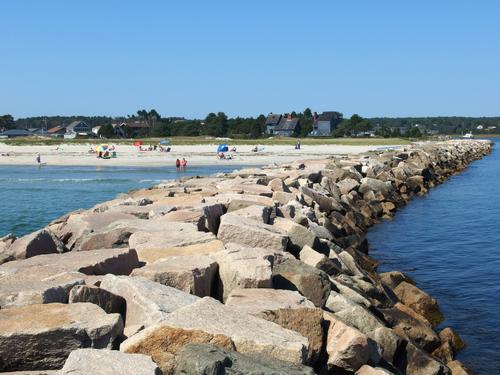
(165, 142)
(223, 148)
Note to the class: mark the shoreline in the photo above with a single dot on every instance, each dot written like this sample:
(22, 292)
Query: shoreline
(311, 216)
(196, 155)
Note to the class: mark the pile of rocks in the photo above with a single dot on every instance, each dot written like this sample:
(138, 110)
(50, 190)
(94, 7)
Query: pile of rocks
(257, 271)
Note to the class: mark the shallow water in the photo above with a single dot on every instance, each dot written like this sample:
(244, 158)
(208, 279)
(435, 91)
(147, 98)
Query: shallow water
(31, 197)
(449, 243)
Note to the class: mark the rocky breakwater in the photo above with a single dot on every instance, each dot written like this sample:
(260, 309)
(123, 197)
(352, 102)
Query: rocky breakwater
(257, 271)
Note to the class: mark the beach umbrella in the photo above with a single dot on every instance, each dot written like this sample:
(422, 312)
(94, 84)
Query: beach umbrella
(165, 142)
(102, 147)
(138, 143)
(223, 148)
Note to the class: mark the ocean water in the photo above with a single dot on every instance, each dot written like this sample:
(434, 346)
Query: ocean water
(449, 243)
(31, 197)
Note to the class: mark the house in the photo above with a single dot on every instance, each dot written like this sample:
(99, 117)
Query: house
(13, 133)
(326, 123)
(78, 128)
(137, 128)
(57, 131)
(272, 121)
(288, 127)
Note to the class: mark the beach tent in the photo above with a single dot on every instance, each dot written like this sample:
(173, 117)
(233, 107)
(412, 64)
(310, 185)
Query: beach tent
(223, 148)
(138, 143)
(165, 142)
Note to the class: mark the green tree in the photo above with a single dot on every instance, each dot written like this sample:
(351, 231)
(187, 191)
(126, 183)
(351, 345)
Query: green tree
(106, 131)
(6, 122)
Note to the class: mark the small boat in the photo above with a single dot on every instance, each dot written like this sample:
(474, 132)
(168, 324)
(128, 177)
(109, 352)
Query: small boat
(468, 136)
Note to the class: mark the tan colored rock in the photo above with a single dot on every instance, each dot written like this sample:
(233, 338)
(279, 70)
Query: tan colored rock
(148, 255)
(348, 349)
(389, 342)
(243, 267)
(457, 368)
(298, 235)
(256, 212)
(108, 362)
(284, 307)
(283, 198)
(418, 362)
(147, 302)
(347, 184)
(449, 334)
(252, 233)
(420, 302)
(42, 336)
(394, 278)
(162, 343)
(242, 200)
(249, 334)
(194, 274)
(277, 184)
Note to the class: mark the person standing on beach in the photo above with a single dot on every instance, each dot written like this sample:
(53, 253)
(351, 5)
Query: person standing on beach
(38, 158)
(177, 164)
(184, 164)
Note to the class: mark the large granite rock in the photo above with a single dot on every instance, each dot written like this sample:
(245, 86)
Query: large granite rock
(243, 267)
(36, 243)
(248, 333)
(212, 360)
(42, 336)
(109, 302)
(108, 362)
(312, 283)
(49, 278)
(147, 302)
(318, 260)
(415, 361)
(162, 343)
(348, 349)
(151, 255)
(298, 235)
(252, 233)
(369, 370)
(194, 274)
(419, 301)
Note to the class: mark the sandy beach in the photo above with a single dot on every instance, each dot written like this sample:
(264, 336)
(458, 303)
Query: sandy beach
(79, 155)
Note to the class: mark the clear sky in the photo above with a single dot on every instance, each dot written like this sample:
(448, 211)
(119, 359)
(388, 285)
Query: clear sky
(188, 58)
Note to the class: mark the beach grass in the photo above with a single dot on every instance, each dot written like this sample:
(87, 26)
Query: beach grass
(40, 141)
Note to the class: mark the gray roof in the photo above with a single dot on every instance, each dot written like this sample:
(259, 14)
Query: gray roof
(16, 132)
(329, 116)
(273, 119)
(75, 123)
(286, 124)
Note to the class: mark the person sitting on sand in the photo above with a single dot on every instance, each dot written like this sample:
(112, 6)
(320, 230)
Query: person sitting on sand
(255, 149)
(233, 149)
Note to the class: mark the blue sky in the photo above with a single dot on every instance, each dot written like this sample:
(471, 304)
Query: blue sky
(188, 58)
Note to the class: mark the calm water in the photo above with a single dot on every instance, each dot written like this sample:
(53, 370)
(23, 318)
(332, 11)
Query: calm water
(449, 243)
(31, 197)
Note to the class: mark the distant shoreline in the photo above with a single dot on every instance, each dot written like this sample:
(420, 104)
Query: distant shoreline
(196, 155)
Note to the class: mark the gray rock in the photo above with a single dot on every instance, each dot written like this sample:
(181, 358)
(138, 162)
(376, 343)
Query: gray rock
(249, 334)
(42, 336)
(320, 261)
(108, 362)
(243, 267)
(252, 233)
(312, 283)
(211, 360)
(36, 243)
(298, 236)
(194, 274)
(147, 302)
(109, 302)
(415, 361)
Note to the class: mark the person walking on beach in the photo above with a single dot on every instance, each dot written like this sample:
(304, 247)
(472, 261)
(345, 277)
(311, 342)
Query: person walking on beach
(177, 164)
(38, 158)
(184, 164)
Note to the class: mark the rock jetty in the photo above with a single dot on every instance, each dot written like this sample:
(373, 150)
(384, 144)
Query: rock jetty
(258, 271)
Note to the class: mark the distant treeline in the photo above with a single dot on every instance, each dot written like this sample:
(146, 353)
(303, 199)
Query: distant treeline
(220, 125)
